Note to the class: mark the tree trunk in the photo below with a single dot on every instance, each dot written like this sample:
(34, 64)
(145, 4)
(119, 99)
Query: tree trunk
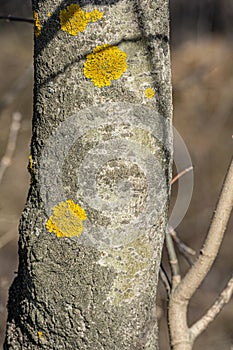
(92, 230)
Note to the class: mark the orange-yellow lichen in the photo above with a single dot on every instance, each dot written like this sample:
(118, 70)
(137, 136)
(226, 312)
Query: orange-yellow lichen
(39, 334)
(149, 92)
(37, 25)
(104, 64)
(49, 14)
(74, 20)
(30, 163)
(66, 220)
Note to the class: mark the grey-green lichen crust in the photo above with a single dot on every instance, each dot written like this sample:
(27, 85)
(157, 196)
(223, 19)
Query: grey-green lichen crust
(111, 165)
(61, 57)
(69, 295)
(85, 298)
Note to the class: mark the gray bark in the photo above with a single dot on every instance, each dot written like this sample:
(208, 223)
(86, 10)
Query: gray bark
(109, 150)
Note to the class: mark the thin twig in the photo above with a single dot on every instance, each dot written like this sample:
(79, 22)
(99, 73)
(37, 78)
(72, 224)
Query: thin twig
(7, 237)
(14, 130)
(180, 334)
(200, 268)
(17, 19)
(182, 247)
(19, 85)
(165, 279)
(180, 242)
(172, 259)
(215, 309)
(178, 176)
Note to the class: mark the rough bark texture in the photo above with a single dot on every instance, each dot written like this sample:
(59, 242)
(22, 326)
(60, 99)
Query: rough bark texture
(98, 290)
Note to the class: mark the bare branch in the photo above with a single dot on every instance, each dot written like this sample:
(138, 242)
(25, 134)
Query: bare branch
(165, 279)
(178, 176)
(14, 129)
(180, 242)
(199, 270)
(180, 334)
(215, 309)
(172, 259)
(182, 247)
(17, 19)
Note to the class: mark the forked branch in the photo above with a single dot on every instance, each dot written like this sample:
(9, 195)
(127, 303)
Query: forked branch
(182, 337)
(213, 312)
(199, 270)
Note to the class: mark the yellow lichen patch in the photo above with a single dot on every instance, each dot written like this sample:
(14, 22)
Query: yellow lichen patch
(74, 20)
(39, 334)
(104, 64)
(66, 220)
(49, 14)
(37, 25)
(30, 163)
(149, 92)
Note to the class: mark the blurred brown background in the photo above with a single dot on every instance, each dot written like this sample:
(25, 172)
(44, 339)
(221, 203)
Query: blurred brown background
(202, 56)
